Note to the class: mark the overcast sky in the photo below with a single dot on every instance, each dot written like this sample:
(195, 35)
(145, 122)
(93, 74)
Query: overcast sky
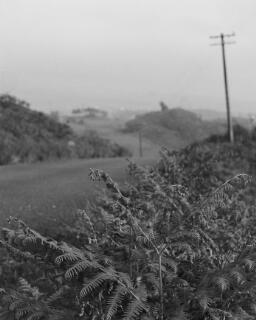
(61, 54)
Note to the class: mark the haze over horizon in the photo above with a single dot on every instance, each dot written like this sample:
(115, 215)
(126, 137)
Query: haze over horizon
(63, 54)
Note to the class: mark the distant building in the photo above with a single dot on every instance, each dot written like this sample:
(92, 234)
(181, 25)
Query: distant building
(90, 113)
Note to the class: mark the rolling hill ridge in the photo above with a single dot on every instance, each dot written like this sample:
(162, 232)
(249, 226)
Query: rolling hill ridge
(31, 136)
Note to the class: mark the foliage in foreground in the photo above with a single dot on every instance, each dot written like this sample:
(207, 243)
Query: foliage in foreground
(178, 243)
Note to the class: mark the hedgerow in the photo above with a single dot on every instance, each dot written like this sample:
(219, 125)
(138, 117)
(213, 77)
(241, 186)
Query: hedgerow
(178, 242)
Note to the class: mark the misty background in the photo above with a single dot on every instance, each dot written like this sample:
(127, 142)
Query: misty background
(62, 54)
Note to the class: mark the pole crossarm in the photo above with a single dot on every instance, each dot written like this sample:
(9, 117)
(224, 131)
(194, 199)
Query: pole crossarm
(227, 35)
(225, 42)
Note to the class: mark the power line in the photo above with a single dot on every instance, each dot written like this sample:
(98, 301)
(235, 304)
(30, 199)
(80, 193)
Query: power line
(222, 43)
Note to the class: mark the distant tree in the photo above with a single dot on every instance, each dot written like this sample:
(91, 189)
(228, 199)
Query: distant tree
(74, 111)
(163, 106)
(7, 100)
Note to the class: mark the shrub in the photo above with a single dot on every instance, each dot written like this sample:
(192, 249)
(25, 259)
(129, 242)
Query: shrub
(178, 243)
(241, 135)
(90, 145)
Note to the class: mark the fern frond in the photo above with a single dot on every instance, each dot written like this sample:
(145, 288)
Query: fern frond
(80, 267)
(36, 316)
(31, 236)
(237, 276)
(154, 267)
(169, 263)
(67, 257)
(220, 196)
(24, 286)
(72, 254)
(124, 278)
(96, 174)
(2, 291)
(152, 279)
(144, 241)
(56, 295)
(21, 312)
(115, 301)
(86, 218)
(204, 300)
(97, 281)
(185, 234)
(103, 259)
(248, 263)
(182, 247)
(17, 304)
(16, 253)
(134, 309)
(221, 282)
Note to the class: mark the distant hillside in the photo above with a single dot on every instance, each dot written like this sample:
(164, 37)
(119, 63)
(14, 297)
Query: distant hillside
(209, 115)
(173, 128)
(29, 136)
(247, 121)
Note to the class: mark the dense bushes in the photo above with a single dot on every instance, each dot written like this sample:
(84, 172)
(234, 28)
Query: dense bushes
(90, 145)
(30, 136)
(241, 135)
(178, 243)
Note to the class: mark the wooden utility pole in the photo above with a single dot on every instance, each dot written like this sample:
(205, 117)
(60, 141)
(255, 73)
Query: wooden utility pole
(140, 142)
(223, 43)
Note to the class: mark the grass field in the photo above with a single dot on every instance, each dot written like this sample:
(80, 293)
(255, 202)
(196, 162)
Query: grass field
(44, 194)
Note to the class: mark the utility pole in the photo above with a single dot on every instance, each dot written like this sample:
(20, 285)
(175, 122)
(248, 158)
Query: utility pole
(222, 44)
(140, 142)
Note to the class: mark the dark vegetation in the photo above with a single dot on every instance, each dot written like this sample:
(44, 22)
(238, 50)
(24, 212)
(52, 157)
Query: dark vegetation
(30, 136)
(241, 135)
(177, 243)
(173, 128)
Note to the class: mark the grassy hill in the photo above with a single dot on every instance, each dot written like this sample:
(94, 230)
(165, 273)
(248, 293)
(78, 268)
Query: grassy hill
(173, 128)
(30, 136)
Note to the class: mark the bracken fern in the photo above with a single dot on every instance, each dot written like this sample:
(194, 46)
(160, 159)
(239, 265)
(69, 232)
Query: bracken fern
(178, 243)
